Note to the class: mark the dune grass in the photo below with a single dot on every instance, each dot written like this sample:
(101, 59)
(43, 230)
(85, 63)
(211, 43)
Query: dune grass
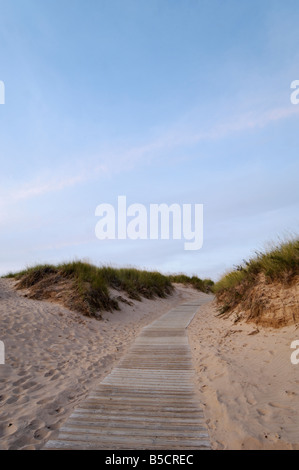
(280, 263)
(88, 288)
(91, 283)
(137, 283)
(203, 285)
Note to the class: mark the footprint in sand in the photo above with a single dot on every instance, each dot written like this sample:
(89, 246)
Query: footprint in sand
(55, 426)
(29, 384)
(49, 373)
(6, 429)
(41, 433)
(20, 381)
(43, 401)
(23, 400)
(37, 388)
(22, 443)
(290, 393)
(36, 423)
(263, 412)
(55, 377)
(12, 400)
(251, 401)
(279, 405)
(57, 411)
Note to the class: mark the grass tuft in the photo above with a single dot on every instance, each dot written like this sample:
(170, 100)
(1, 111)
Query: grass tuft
(203, 285)
(278, 264)
(84, 287)
(88, 285)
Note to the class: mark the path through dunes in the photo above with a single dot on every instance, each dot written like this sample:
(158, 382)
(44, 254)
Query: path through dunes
(148, 401)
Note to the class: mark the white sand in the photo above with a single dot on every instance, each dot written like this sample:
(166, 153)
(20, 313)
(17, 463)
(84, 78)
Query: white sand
(54, 357)
(246, 382)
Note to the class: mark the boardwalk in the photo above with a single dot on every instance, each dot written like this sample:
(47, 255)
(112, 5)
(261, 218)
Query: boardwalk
(148, 401)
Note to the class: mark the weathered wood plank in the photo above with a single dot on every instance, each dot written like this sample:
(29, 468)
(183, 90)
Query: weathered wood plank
(148, 400)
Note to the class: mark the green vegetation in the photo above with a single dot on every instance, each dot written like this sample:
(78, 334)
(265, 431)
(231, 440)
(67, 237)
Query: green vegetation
(89, 285)
(280, 264)
(84, 287)
(203, 285)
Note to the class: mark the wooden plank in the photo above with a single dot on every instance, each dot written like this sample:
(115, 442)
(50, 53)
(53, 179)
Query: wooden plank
(148, 400)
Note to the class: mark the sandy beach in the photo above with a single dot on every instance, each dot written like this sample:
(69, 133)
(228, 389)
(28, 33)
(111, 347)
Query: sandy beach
(244, 379)
(54, 357)
(149, 167)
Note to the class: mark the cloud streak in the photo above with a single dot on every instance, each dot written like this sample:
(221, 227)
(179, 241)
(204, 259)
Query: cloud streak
(128, 159)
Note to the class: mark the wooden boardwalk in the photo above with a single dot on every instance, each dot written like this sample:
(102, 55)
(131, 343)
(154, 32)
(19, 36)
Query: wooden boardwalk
(148, 401)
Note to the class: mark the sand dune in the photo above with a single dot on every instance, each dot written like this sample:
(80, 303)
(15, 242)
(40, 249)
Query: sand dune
(55, 356)
(246, 382)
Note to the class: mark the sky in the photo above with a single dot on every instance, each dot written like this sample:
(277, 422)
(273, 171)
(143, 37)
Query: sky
(162, 101)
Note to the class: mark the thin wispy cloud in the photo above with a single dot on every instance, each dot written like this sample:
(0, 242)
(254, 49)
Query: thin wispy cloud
(124, 160)
(30, 191)
(242, 122)
(52, 183)
(176, 137)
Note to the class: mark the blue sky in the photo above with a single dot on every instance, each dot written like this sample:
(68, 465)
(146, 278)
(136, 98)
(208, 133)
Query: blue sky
(163, 101)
